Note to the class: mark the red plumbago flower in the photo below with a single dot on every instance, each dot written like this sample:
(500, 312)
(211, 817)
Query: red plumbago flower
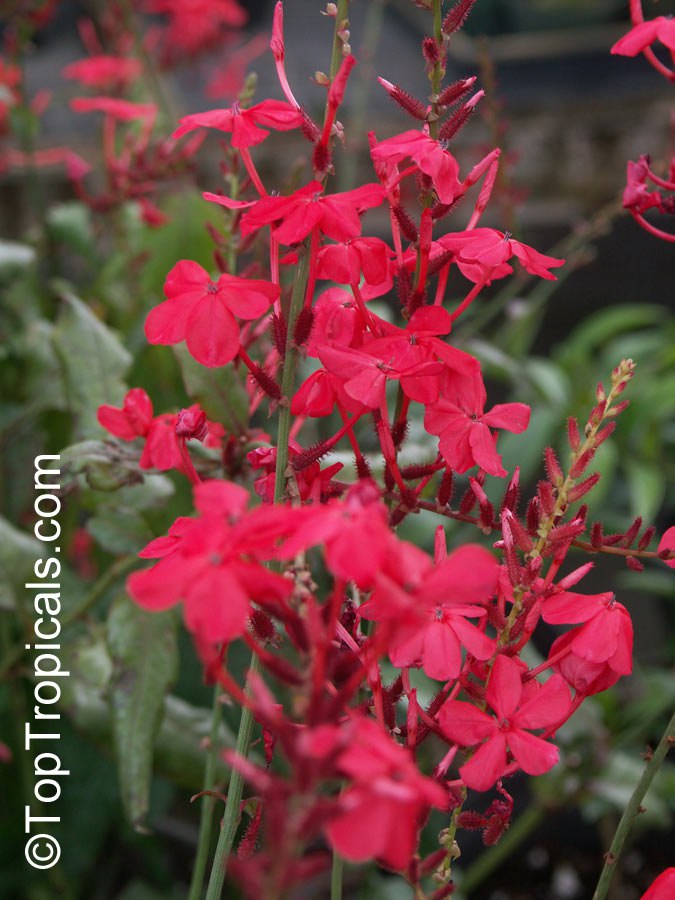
(201, 311)
(518, 709)
(335, 215)
(428, 607)
(606, 636)
(382, 810)
(353, 530)
(122, 110)
(364, 374)
(213, 563)
(113, 73)
(667, 542)
(132, 420)
(248, 126)
(663, 887)
(637, 40)
(162, 450)
(344, 263)
(429, 156)
(585, 677)
(482, 255)
(336, 321)
(464, 428)
(313, 482)
(196, 25)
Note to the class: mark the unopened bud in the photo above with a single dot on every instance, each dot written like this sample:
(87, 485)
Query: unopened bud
(191, 423)
(321, 78)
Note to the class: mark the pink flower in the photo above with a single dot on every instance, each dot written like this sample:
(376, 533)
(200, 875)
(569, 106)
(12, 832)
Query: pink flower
(104, 72)
(428, 607)
(637, 40)
(122, 110)
(429, 156)
(667, 542)
(458, 418)
(135, 419)
(353, 531)
(213, 563)
(663, 887)
(247, 126)
(383, 808)
(335, 215)
(607, 633)
(202, 312)
(518, 710)
(482, 253)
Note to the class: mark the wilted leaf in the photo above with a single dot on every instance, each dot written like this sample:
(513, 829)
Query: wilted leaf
(105, 465)
(145, 658)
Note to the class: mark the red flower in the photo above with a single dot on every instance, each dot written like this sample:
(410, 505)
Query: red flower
(606, 636)
(585, 677)
(344, 263)
(663, 887)
(482, 253)
(246, 125)
(464, 429)
(516, 715)
(132, 420)
(196, 25)
(201, 311)
(122, 110)
(383, 808)
(335, 215)
(213, 563)
(353, 530)
(428, 607)
(429, 156)
(104, 72)
(637, 40)
(667, 542)
(161, 433)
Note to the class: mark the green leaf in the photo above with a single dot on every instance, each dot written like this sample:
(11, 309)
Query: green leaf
(14, 255)
(599, 328)
(18, 552)
(71, 224)
(179, 753)
(144, 651)
(647, 488)
(219, 392)
(93, 362)
(119, 531)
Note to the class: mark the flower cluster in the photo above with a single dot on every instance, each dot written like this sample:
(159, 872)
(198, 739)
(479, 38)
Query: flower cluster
(316, 580)
(638, 198)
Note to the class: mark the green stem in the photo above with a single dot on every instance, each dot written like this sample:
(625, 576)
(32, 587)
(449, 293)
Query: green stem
(234, 794)
(336, 878)
(288, 378)
(208, 802)
(236, 788)
(633, 809)
(341, 21)
(438, 70)
(154, 80)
